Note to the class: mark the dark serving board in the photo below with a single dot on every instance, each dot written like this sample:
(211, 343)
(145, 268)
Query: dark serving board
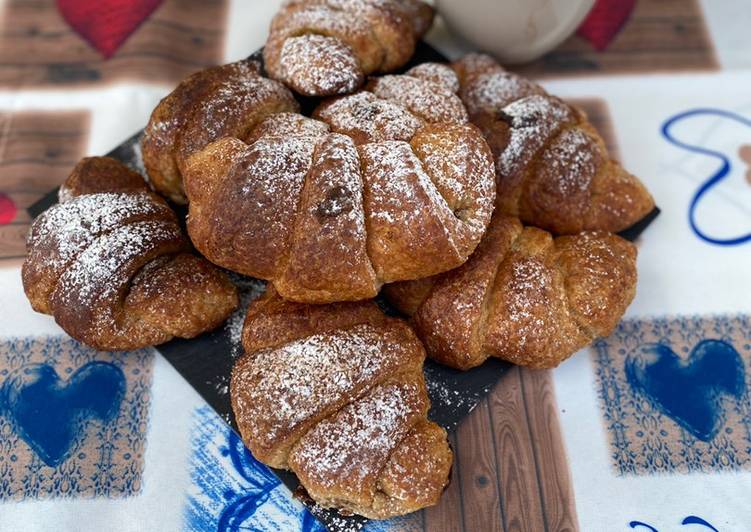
(206, 361)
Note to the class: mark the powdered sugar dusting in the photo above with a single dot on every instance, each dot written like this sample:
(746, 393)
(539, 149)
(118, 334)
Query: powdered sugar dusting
(390, 173)
(273, 171)
(533, 121)
(443, 393)
(280, 388)
(315, 64)
(367, 118)
(603, 269)
(324, 48)
(570, 163)
(334, 217)
(334, 522)
(526, 296)
(165, 128)
(64, 193)
(233, 104)
(396, 184)
(350, 448)
(437, 73)
(432, 102)
(66, 229)
(279, 165)
(288, 125)
(462, 174)
(93, 282)
(491, 92)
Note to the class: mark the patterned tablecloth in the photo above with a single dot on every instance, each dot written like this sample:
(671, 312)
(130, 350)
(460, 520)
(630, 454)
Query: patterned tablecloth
(649, 429)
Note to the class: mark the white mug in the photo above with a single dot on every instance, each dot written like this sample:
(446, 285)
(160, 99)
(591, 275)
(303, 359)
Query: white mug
(515, 31)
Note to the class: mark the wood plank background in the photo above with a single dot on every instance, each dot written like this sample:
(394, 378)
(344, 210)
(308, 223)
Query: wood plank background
(660, 35)
(37, 152)
(180, 37)
(510, 472)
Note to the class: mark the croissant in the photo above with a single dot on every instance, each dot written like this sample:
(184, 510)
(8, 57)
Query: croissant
(227, 100)
(336, 394)
(524, 296)
(332, 216)
(552, 167)
(113, 267)
(326, 47)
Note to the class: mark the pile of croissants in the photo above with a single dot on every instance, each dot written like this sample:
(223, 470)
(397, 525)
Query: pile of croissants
(483, 208)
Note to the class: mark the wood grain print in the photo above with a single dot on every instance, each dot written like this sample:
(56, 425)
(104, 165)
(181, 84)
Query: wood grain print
(510, 469)
(37, 152)
(39, 49)
(660, 35)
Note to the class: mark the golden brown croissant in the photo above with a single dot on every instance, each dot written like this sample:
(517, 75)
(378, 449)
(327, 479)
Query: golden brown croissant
(331, 216)
(227, 100)
(326, 47)
(336, 394)
(114, 268)
(523, 296)
(552, 166)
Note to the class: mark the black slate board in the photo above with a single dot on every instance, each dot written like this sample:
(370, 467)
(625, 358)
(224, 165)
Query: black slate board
(206, 361)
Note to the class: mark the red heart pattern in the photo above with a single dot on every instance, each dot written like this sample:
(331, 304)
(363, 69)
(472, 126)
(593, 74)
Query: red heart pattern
(8, 209)
(604, 21)
(106, 24)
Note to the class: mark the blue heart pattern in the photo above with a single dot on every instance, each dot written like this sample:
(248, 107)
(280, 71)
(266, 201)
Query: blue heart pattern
(50, 414)
(689, 391)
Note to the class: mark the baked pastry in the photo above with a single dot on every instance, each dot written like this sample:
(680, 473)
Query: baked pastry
(336, 394)
(226, 100)
(332, 216)
(553, 168)
(395, 107)
(115, 269)
(100, 174)
(326, 47)
(524, 296)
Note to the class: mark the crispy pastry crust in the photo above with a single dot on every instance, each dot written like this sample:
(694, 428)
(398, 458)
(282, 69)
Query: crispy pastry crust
(113, 267)
(552, 167)
(327, 47)
(226, 100)
(335, 393)
(524, 296)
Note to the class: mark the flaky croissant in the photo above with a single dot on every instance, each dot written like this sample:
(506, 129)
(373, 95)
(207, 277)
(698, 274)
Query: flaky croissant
(336, 394)
(553, 168)
(226, 100)
(523, 296)
(332, 216)
(113, 267)
(326, 47)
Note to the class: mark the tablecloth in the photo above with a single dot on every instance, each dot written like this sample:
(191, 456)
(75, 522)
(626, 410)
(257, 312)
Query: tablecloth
(648, 429)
